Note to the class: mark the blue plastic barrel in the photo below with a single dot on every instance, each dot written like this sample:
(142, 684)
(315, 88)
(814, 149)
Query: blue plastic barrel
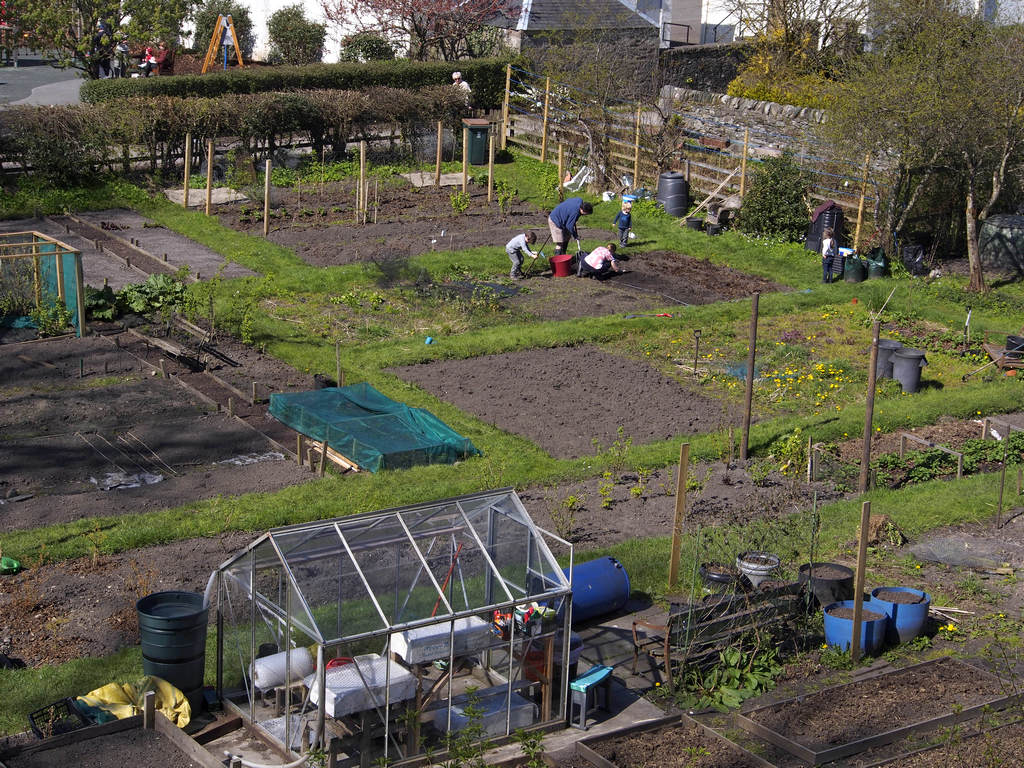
(598, 587)
(906, 620)
(839, 631)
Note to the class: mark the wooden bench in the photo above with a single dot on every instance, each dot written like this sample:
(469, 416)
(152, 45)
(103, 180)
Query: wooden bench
(695, 634)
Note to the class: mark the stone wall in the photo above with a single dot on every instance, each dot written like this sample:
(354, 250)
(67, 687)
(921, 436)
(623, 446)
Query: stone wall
(703, 67)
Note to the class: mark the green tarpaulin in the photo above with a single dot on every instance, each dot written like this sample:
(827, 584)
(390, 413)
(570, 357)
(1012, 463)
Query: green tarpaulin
(370, 429)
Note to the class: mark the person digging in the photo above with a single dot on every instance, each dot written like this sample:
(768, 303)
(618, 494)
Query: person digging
(562, 221)
(516, 248)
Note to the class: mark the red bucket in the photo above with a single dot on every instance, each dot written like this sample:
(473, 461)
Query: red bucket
(561, 265)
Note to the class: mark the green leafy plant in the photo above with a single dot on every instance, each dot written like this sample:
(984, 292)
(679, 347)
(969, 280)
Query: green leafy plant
(832, 657)
(51, 316)
(459, 201)
(467, 746)
(296, 39)
(532, 745)
(736, 677)
(605, 488)
(563, 515)
(505, 194)
(790, 453)
(158, 293)
(100, 304)
(774, 205)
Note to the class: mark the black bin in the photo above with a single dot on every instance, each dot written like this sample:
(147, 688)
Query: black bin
(477, 131)
(674, 193)
(172, 628)
(825, 215)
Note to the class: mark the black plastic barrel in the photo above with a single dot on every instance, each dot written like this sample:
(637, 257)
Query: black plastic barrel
(832, 216)
(1014, 347)
(906, 367)
(828, 582)
(478, 130)
(172, 627)
(714, 229)
(883, 365)
(674, 193)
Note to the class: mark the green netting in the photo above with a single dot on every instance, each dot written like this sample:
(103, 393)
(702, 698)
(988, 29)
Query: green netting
(370, 429)
(29, 266)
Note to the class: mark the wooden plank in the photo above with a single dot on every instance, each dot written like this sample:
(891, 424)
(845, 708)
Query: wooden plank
(185, 743)
(74, 737)
(217, 730)
(336, 457)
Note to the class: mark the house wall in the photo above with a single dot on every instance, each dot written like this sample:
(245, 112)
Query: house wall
(703, 67)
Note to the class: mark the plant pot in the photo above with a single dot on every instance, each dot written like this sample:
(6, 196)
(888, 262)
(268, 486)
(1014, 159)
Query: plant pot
(695, 222)
(906, 618)
(718, 578)
(829, 582)
(839, 629)
(757, 566)
(714, 229)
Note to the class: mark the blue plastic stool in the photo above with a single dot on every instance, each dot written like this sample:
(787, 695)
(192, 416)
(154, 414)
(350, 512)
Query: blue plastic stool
(589, 691)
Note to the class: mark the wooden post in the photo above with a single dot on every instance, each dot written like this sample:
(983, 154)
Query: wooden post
(636, 151)
(231, 406)
(465, 158)
(163, 370)
(544, 129)
(504, 104)
(266, 199)
(561, 168)
(323, 458)
(858, 581)
(361, 206)
(869, 408)
(743, 163)
(298, 450)
(149, 710)
(1002, 482)
(686, 170)
(680, 515)
(860, 205)
(188, 167)
(810, 461)
(437, 162)
(337, 363)
(751, 351)
(252, 398)
(209, 176)
(490, 168)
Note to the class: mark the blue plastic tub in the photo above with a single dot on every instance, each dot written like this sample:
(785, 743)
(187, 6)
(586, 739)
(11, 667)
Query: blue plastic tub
(839, 631)
(598, 587)
(906, 620)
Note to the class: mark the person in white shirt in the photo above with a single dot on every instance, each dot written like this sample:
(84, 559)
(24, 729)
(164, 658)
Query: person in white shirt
(829, 255)
(457, 80)
(598, 262)
(516, 247)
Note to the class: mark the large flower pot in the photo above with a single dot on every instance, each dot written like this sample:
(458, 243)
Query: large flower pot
(757, 566)
(829, 582)
(906, 608)
(839, 628)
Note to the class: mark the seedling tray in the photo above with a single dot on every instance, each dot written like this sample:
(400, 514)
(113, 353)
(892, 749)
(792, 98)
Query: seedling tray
(814, 754)
(587, 748)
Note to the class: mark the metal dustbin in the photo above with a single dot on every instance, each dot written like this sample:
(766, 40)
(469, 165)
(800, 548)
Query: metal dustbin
(477, 131)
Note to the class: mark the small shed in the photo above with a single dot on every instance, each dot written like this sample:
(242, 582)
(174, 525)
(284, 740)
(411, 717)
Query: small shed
(377, 636)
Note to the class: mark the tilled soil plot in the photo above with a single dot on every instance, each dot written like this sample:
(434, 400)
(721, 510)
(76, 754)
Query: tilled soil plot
(674, 746)
(868, 707)
(565, 398)
(87, 429)
(999, 746)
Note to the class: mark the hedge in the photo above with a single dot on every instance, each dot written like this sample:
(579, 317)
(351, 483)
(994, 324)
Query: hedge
(486, 76)
(67, 144)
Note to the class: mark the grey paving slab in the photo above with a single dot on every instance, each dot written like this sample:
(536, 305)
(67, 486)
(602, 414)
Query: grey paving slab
(426, 179)
(158, 241)
(35, 81)
(197, 197)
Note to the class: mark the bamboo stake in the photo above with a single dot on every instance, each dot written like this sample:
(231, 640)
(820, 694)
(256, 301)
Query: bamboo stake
(636, 151)
(298, 450)
(361, 205)
(680, 514)
(869, 409)
(266, 198)
(858, 585)
(751, 351)
(376, 199)
(209, 175)
(561, 168)
(490, 169)
(860, 205)
(743, 164)
(465, 159)
(337, 363)
(504, 104)
(1002, 484)
(323, 170)
(544, 130)
(437, 163)
(188, 167)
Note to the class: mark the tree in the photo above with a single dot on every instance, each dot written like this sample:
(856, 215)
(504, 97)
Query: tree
(443, 29)
(295, 38)
(206, 18)
(776, 203)
(937, 101)
(366, 46)
(70, 28)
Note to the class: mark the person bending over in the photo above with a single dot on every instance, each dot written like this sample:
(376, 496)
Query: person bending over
(516, 248)
(599, 262)
(562, 221)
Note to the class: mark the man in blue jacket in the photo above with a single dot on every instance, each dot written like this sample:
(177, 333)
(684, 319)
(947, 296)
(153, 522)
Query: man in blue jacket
(562, 221)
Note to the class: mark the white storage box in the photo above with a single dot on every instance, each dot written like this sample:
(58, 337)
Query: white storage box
(346, 692)
(425, 644)
(492, 705)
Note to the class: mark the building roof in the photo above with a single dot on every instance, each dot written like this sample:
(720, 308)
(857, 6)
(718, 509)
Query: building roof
(540, 15)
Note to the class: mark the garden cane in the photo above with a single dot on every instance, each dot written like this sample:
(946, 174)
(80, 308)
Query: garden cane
(540, 254)
(995, 361)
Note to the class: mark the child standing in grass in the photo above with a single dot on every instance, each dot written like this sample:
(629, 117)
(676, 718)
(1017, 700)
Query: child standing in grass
(515, 248)
(624, 221)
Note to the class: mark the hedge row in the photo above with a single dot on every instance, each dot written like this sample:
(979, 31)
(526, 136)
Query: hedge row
(66, 144)
(485, 76)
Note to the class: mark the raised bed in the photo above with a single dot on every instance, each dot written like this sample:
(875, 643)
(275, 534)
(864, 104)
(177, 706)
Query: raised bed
(669, 742)
(1003, 745)
(847, 719)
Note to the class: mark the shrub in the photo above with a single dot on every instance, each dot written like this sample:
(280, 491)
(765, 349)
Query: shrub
(486, 75)
(775, 206)
(295, 38)
(206, 18)
(366, 46)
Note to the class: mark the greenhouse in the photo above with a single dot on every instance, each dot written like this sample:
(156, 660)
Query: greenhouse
(379, 636)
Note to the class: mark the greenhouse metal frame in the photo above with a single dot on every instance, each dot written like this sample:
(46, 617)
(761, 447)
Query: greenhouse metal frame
(419, 606)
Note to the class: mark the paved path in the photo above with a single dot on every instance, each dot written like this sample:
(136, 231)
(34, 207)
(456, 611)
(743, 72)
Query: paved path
(34, 81)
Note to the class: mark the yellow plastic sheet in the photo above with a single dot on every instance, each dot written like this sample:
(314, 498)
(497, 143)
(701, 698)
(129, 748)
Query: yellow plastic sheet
(127, 699)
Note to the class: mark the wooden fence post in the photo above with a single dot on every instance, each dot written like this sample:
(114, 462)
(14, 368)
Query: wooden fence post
(561, 168)
(869, 409)
(465, 159)
(490, 168)
(544, 129)
(504, 104)
(188, 168)
(636, 151)
(437, 163)
(858, 581)
(209, 175)
(361, 206)
(266, 199)
(860, 205)
(680, 514)
(743, 164)
(744, 445)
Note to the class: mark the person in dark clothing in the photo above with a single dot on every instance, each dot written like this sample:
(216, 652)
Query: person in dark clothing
(103, 48)
(624, 221)
(562, 221)
(829, 255)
